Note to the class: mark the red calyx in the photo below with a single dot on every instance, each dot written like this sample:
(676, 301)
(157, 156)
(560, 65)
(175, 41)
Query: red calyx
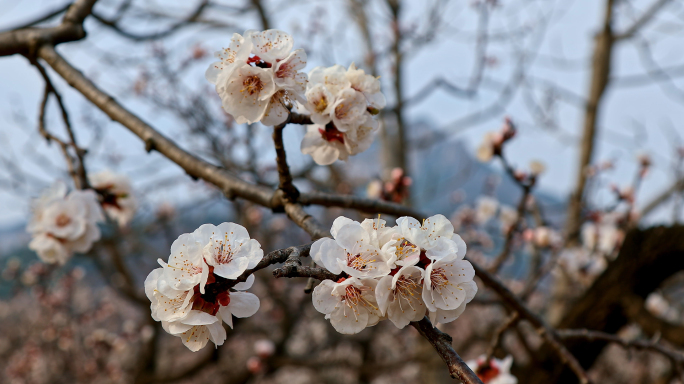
(330, 133)
(424, 261)
(223, 298)
(256, 60)
(487, 372)
(202, 305)
(394, 271)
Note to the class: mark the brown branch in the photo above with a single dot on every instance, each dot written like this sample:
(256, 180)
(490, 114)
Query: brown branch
(526, 186)
(193, 166)
(645, 18)
(290, 191)
(193, 17)
(498, 335)
(441, 342)
(77, 170)
(600, 77)
(40, 19)
(548, 333)
(674, 356)
(25, 41)
(358, 203)
(265, 24)
(665, 195)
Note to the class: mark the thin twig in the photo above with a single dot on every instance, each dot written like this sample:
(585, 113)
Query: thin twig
(544, 330)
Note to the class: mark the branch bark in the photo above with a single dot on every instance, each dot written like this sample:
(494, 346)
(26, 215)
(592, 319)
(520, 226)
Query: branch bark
(600, 75)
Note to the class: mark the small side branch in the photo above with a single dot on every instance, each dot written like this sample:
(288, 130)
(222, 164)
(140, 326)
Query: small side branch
(545, 331)
(286, 185)
(676, 357)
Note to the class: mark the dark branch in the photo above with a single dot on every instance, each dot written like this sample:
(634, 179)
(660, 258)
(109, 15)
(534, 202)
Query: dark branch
(441, 342)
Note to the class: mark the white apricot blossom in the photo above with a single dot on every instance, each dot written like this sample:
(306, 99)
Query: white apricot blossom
(415, 269)
(116, 195)
(195, 336)
(433, 239)
(366, 84)
(184, 293)
(350, 304)
(258, 76)
(352, 251)
(342, 103)
(496, 372)
(399, 296)
(63, 224)
(447, 287)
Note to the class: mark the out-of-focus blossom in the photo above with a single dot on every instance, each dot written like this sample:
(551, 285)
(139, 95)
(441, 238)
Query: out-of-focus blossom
(507, 216)
(342, 103)
(495, 372)
(116, 196)
(264, 348)
(63, 224)
(485, 209)
(537, 167)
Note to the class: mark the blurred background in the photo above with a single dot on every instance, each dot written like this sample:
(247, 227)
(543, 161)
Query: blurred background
(593, 88)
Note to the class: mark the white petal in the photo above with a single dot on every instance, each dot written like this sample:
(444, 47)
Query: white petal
(199, 318)
(176, 327)
(352, 236)
(348, 322)
(383, 292)
(233, 269)
(243, 304)
(247, 284)
(217, 333)
(196, 337)
(323, 299)
(340, 222)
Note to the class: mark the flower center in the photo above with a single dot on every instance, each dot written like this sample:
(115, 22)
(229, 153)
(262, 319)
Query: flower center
(359, 263)
(342, 110)
(407, 288)
(62, 220)
(330, 133)
(438, 278)
(404, 248)
(223, 252)
(252, 85)
(321, 104)
(353, 297)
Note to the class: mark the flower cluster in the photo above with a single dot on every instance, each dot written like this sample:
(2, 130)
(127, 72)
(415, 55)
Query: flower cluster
(342, 103)
(401, 273)
(258, 76)
(116, 196)
(192, 294)
(495, 372)
(64, 223)
(258, 79)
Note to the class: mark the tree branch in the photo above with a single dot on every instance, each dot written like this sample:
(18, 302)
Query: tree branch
(441, 342)
(645, 18)
(548, 333)
(25, 41)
